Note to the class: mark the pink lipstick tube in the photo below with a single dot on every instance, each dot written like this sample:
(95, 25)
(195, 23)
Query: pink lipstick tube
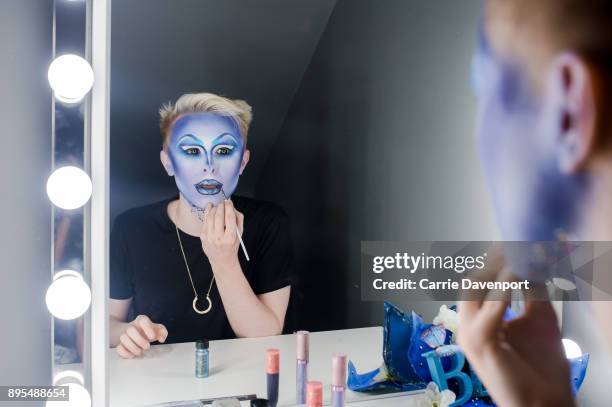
(338, 388)
(301, 366)
(314, 394)
(272, 370)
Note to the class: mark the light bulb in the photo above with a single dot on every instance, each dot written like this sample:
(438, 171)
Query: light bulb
(68, 376)
(70, 77)
(78, 396)
(563, 284)
(68, 296)
(572, 350)
(69, 187)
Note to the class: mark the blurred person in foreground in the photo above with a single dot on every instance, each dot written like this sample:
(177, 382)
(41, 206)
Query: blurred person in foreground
(543, 75)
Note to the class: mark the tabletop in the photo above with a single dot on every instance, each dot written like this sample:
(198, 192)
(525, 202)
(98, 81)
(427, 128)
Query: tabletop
(166, 373)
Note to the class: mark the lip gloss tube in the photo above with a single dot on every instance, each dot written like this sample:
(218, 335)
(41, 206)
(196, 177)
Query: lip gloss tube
(301, 366)
(314, 394)
(272, 369)
(338, 389)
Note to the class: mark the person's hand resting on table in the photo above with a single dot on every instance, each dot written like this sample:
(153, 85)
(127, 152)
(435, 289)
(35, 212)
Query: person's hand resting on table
(134, 338)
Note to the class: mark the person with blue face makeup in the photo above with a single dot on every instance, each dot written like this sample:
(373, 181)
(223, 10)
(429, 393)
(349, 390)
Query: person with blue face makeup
(205, 154)
(177, 263)
(543, 76)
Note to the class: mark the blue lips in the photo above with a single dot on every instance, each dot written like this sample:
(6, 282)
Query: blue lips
(208, 187)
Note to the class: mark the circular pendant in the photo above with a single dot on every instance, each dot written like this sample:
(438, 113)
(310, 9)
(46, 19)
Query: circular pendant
(195, 307)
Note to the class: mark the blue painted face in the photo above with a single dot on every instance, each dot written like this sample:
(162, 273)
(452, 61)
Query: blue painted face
(517, 132)
(206, 152)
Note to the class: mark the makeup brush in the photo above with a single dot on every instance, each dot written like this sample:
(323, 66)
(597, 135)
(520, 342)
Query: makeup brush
(244, 250)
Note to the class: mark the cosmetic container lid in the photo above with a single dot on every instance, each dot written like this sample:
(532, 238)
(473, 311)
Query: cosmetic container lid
(314, 393)
(302, 345)
(339, 369)
(203, 344)
(259, 403)
(272, 362)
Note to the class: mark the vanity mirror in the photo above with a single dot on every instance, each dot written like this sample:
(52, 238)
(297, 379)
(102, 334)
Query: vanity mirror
(294, 112)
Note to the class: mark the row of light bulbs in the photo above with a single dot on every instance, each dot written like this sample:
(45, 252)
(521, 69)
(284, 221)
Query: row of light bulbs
(69, 296)
(71, 78)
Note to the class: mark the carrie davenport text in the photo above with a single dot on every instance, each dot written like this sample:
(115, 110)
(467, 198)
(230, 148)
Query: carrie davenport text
(466, 284)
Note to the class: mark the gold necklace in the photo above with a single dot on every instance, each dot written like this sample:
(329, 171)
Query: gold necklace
(195, 299)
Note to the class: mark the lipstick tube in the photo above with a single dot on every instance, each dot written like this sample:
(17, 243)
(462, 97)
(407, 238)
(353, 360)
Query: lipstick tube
(314, 394)
(301, 366)
(338, 388)
(272, 370)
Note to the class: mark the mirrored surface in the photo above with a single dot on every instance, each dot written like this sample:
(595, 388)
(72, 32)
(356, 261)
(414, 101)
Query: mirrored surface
(346, 104)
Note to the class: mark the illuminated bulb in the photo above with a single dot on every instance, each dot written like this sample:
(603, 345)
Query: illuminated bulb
(68, 296)
(69, 187)
(78, 397)
(68, 376)
(572, 350)
(70, 77)
(563, 284)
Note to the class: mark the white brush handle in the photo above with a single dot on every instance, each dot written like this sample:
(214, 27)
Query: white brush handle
(238, 233)
(242, 245)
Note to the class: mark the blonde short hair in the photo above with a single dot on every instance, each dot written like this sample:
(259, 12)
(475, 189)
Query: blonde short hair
(189, 103)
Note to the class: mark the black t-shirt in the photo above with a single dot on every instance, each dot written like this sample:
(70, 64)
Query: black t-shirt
(146, 265)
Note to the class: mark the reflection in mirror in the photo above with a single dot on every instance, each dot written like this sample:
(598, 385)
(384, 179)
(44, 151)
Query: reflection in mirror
(199, 137)
(251, 148)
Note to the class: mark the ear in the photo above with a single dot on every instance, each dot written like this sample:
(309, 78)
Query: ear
(166, 162)
(574, 92)
(245, 160)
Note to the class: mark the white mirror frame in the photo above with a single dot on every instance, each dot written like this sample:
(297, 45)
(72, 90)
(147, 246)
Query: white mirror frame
(99, 231)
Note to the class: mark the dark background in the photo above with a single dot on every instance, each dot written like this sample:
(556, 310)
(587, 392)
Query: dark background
(362, 130)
